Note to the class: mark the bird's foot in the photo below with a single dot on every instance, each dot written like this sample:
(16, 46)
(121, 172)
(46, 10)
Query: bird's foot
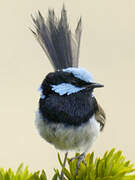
(79, 158)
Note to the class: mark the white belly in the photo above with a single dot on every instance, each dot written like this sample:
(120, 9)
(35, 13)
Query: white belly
(68, 138)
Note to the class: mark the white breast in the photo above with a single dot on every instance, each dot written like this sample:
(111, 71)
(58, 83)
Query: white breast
(68, 138)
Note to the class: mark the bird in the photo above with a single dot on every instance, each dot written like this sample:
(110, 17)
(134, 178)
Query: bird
(68, 116)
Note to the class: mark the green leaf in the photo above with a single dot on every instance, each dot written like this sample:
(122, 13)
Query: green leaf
(1, 176)
(66, 173)
(59, 159)
(56, 175)
(43, 176)
(19, 170)
(7, 176)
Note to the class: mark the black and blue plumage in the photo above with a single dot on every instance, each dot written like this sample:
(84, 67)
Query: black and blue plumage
(68, 116)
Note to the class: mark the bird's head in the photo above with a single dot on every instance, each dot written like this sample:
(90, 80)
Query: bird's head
(68, 81)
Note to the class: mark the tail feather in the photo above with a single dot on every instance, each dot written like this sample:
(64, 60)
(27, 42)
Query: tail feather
(56, 39)
(78, 33)
(43, 36)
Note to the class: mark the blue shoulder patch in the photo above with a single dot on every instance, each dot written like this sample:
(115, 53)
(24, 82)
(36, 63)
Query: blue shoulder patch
(42, 96)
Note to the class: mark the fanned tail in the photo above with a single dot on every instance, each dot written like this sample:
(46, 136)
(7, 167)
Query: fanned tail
(56, 39)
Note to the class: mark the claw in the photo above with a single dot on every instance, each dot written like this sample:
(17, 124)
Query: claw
(80, 158)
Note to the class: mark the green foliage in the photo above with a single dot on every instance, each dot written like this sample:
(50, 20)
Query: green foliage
(21, 174)
(112, 166)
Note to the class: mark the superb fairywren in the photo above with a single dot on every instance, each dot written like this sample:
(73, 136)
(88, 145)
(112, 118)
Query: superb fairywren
(69, 116)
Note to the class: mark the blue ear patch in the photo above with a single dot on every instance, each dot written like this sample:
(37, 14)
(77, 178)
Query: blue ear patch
(66, 88)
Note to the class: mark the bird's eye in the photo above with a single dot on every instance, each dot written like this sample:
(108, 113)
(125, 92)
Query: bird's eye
(74, 81)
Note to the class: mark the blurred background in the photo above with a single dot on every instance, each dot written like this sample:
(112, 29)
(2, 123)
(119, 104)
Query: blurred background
(107, 51)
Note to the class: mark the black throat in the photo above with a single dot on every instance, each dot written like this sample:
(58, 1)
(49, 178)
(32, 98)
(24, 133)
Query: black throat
(73, 109)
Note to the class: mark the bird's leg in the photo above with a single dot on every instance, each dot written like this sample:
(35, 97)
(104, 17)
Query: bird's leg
(64, 163)
(79, 158)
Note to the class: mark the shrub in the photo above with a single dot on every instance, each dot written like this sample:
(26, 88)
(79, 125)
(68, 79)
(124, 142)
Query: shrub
(112, 166)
